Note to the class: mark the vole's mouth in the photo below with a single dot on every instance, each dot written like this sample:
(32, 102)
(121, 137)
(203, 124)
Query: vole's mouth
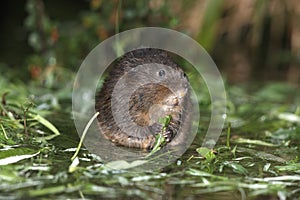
(176, 99)
(172, 100)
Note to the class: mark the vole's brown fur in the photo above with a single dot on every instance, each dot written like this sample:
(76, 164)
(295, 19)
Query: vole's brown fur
(147, 103)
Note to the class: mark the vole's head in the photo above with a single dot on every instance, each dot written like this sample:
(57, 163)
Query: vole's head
(175, 80)
(170, 79)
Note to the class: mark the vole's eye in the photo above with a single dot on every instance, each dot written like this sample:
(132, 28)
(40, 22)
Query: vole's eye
(162, 73)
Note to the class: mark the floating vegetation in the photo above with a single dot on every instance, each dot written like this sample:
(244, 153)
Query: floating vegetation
(256, 158)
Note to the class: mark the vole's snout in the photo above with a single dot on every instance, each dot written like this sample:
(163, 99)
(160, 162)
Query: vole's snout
(182, 93)
(171, 100)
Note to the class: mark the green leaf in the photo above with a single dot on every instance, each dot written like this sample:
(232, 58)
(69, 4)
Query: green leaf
(47, 124)
(293, 167)
(206, 153)
(196, 172)
(165, 120)
(236, 167)
(256, 142)
(261, 155)
(48, 191)
(13, 155)
(160, 140)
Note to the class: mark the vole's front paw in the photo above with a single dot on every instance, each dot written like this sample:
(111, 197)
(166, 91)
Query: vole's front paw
(157, 128)
(168, 135)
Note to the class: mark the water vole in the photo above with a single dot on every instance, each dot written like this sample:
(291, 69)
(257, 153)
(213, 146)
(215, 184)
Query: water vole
(143, 86)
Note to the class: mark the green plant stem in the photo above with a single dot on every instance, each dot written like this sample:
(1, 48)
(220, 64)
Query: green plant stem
(228, 135)
(4, 132)
(84, 134)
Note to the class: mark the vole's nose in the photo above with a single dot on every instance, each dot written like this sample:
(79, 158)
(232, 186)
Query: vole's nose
(181, 93)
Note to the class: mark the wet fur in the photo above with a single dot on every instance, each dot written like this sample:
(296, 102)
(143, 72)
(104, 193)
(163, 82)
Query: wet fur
(141, 101)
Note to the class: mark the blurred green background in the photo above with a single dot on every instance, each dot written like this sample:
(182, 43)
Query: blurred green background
(250, 40)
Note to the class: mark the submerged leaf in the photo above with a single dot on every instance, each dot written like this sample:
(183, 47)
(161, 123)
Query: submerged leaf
(123, 164)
